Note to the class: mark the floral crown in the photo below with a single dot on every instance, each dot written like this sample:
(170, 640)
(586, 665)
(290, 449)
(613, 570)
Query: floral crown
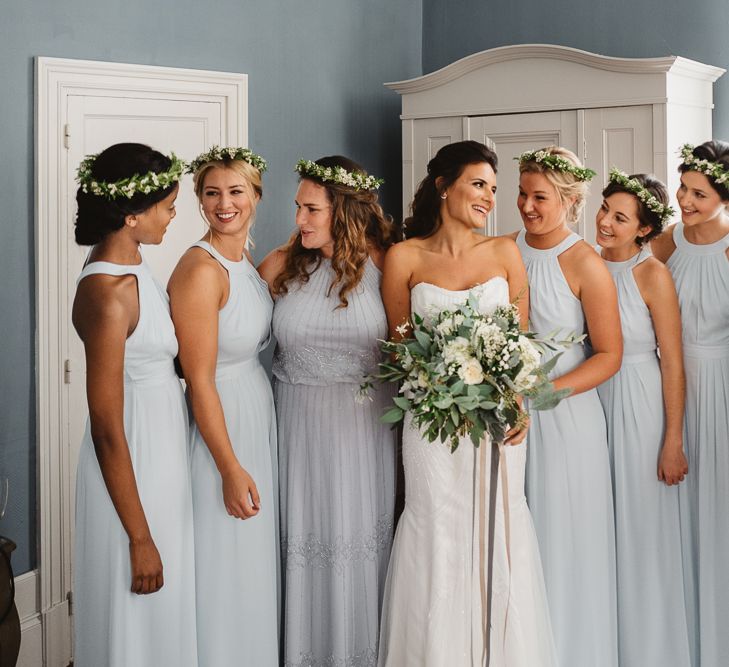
(634, 186)
(128, 187)
(557, 163)
(713, 169)
(354, 179)
(216, 153)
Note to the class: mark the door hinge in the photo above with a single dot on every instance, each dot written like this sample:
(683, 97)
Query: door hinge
(67, 371)
(67, 136)
(69, 599)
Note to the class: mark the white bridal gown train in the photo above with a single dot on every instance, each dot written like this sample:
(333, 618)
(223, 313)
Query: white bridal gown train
(433, 613)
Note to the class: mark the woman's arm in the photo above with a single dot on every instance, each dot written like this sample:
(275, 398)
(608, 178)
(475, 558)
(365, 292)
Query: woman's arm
(105, 312)
(396, 274)
(586, 272)
(272, 265)
(516, 276)
(197, 289)
(659, 293)
(663, 245)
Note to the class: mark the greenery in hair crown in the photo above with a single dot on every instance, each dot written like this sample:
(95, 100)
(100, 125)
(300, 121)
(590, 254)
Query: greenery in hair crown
(556, 163)
(634, 186)
(353, 179)
(713, 169)
(218, 154)
(128, 187)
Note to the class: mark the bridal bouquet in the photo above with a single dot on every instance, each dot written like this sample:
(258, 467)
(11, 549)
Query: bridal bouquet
(462, 373)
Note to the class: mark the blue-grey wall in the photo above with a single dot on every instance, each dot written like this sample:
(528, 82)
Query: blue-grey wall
(315, 84)
(624, 28)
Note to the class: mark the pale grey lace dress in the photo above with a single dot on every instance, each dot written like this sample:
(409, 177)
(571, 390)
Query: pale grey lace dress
(336, 471)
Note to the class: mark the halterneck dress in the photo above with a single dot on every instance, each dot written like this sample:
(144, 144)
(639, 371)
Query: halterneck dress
(701, 274)
(113, 626)
(437, 586)
(568, 482)
(237, 561)
(337, 469)
(652, 627)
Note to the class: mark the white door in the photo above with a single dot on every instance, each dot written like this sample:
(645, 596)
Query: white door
(82, 108)
(510, 135)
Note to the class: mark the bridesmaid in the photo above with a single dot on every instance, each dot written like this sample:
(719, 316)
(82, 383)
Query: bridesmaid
(568, 471)
(337, 470)
(643, 404)
(696, 251)
(133, 507)
(222, 314)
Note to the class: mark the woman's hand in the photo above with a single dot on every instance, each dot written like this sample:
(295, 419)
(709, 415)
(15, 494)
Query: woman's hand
(672, 464)
(240, 493)
(146, 566)
(516, 434)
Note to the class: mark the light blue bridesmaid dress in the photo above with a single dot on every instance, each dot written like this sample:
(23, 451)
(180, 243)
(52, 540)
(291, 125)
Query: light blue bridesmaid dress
(113, 626)
(652, 627)
(568, 483)
(701, 274)
(236, 561)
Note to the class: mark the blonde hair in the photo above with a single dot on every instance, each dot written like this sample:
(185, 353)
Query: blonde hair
(567, 185)
(250, 175)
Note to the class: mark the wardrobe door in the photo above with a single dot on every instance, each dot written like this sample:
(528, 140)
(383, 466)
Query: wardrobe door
(617, 137)
(422, 139)
(510, 135)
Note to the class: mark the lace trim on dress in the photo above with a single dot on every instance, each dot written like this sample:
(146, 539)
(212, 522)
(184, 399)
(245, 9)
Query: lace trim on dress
(365, 658)
(315, 365)
(310, 551)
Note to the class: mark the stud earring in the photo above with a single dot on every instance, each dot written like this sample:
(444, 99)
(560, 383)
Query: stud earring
(444, 195)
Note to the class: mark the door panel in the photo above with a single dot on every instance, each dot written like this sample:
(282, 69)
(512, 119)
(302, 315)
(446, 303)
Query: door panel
(430, 135)
(617, 137)
(510, 135)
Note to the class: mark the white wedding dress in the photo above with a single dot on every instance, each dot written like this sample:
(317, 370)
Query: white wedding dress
(434, 609)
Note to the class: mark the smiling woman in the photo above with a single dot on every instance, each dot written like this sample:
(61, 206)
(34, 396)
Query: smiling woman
(696, 251)
(568, 472)
(222, 315)
(446, 621)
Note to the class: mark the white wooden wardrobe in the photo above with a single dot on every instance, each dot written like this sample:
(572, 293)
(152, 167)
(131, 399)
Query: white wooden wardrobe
(633, 113)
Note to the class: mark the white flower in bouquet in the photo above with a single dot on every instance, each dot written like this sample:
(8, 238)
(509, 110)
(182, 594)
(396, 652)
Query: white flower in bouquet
(490, 339)
(471, 372)
(457, 352)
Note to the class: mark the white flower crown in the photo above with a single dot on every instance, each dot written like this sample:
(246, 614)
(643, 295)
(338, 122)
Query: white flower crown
(128, 187)
(216, 153)
(556, 163)
(635, 187)
(353, 179)
(713, 169)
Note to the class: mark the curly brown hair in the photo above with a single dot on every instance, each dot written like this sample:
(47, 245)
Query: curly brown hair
(358, 224)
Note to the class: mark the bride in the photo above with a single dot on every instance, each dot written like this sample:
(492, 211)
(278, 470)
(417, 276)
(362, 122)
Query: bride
(435, 608)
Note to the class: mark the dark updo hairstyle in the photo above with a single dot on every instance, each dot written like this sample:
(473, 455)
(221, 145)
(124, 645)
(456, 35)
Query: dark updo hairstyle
(448, 164)
(713, 151)
(646, 217)
(97, 215)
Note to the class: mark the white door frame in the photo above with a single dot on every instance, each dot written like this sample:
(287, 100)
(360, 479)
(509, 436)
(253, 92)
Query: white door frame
(56, 79)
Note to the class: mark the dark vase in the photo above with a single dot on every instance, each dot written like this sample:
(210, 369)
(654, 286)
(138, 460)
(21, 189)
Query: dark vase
(9, 621)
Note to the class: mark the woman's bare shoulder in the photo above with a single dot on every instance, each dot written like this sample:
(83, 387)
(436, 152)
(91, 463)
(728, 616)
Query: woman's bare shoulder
(273, 264)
